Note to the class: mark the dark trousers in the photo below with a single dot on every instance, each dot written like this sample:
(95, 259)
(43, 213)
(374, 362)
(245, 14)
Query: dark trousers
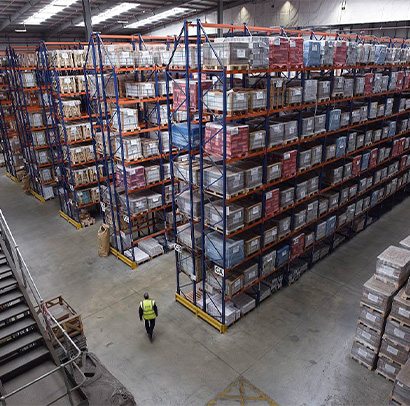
(149, 326)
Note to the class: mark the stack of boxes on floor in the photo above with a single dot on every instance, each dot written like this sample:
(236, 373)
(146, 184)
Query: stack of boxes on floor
(400, 395)
(142, 176)
(362, 162)
(383, 333)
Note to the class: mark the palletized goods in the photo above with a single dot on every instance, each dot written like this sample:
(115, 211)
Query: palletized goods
(181, 138)
(393, 265)
(237, 139)
(226, 53)
(311, 53)
(327, 52)
(213, 180)
(340, 54)
(235, 215)
(234, 249)
(378, 295)
(278, 52)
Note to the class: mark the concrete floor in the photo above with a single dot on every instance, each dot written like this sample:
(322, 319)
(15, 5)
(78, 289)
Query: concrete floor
(295, 347)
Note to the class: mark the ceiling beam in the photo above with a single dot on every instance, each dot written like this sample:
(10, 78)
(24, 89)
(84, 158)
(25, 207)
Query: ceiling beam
(227, 6)
(155, 11)
(18, 13)
(94, 11)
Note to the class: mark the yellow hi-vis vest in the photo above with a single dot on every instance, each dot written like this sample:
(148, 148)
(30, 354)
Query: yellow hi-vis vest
(147, 307)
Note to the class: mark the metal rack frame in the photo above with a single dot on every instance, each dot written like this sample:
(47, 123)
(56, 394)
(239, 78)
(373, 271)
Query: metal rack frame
(106, 107)
(187, 293)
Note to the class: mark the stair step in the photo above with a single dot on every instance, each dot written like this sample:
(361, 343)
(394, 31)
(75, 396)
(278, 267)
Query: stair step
(4, 268)
(3, 261)
(10, 297)
(23, 363)
(13, 311)
(12, 346)
(7, 282)
(42, 392)
(16, 327)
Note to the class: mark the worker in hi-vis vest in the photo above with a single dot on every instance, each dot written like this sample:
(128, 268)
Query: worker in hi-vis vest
(149, 311)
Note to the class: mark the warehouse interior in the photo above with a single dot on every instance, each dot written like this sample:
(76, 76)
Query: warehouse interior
(245, 163)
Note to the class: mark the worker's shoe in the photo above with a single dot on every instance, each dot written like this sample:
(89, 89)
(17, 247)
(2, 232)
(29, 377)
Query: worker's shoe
(150, 337)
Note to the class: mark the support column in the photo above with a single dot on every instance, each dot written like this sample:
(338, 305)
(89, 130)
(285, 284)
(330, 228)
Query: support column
(220, 17)
(87, 19)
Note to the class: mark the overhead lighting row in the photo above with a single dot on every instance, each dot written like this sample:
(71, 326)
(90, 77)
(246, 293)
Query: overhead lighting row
(48, 11)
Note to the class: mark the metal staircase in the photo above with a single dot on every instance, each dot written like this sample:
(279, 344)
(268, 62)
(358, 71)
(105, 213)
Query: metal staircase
(30, 371)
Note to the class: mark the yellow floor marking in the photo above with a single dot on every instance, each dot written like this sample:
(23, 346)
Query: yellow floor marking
(239, 386)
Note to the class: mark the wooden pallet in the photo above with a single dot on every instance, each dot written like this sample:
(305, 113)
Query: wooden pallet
(227, 232)
(304, 136)
(88, 222)
(378, 372)
(372, 309)
(290, 141)
(190, 296)
(338, 96)
(323, 99)
(397, 400)
(278, 66)
(369, 367)
(367, 345)
(293, 104)
(227, 67)
(228, 196)
(369, 326)
(401, 322)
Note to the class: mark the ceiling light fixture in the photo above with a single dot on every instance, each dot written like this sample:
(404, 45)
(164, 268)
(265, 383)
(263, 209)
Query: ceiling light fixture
(157, 17)
(48, 11)
(21, 29)
(110, 13)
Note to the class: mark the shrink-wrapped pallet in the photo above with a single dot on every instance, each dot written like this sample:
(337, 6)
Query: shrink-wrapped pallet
(393, 265)
(308, 125)
(152, 174)
(398, 332)
(214, 309)
(151, 247)
(299, 218)
(364, 355)
(231, 54)
(233, 282)
(235, 215)
(338, 85)
(334, 119)
(310, 91)
(180, 137)
(127, 119)
(316, 154)
(252, 242)
(268, 262)
(359, 85)
(137, 204)
(278, 52)
(348, 87)
(135, 176)
(214, 250)
(387, 368)
(184, 236)
(237, 139)
(62, 58)
(290, 127)
(311, 53)
(378, 295)
(371, 319)
(368, 337)
(283, 223)
(270, 234)
(352, 53)
(368, 83)
(340, 53)
(380, 54)
(244, 303)
(257, 140)
(272, 202)
(179, 93)
(288, 161)
(236, 101)
(294, 95)
(257, 99)
(282, 255)
(295, 56)
(319, 123)
(253, 173)
(131, 145)
(213, 180)
(323, 90)
(286, 196)
(327, 52)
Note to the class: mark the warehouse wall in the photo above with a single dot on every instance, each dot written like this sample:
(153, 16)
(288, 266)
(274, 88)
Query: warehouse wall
(305, 13)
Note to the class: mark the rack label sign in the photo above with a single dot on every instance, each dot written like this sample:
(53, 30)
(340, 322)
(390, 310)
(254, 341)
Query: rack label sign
(178, 248)
(102, 204)
(219, 271)
(126, 218)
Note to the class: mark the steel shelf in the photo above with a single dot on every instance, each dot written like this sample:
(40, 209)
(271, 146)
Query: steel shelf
(193, 253)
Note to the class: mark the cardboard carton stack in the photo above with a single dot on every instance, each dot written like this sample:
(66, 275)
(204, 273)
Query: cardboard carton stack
(379, 296)
(400, 394)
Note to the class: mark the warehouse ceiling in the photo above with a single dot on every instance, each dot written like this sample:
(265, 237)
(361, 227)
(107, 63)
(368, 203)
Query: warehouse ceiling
(64, 18)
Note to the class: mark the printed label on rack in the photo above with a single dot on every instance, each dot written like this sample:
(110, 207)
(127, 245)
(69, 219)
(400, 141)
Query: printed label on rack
(103, 207)
(219, 271)
(71, 187)
(193, 277)
(122, 234)
(126, 218)
(70, 201)
(178, 248)
(268, 195)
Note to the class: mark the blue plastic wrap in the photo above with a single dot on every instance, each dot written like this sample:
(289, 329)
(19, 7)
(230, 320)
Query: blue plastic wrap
(341, 145)
(330, 225)
(380, 55)
(234, 249)
(334, 119)
(365, 161)
(311, 53)
(392, 128)
(180, 135)
(282, 255)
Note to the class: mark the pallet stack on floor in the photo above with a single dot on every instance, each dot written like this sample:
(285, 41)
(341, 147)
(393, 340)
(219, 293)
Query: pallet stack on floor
(400, 395)
(382, 338)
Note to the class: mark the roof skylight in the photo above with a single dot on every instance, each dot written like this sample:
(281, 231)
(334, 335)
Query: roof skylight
(48, 11)
(158, 17)
(110, 13)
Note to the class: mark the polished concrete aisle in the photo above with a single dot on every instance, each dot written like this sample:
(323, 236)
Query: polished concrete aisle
(294, 347)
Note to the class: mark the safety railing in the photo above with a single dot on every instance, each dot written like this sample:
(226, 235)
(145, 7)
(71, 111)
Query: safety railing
(49, 320)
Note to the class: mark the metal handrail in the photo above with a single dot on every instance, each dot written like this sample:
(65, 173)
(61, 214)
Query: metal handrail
(30, 285)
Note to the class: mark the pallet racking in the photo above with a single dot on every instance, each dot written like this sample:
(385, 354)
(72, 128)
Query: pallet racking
(60, 67)
(27, 110)
(197, 264)
(124, 93)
